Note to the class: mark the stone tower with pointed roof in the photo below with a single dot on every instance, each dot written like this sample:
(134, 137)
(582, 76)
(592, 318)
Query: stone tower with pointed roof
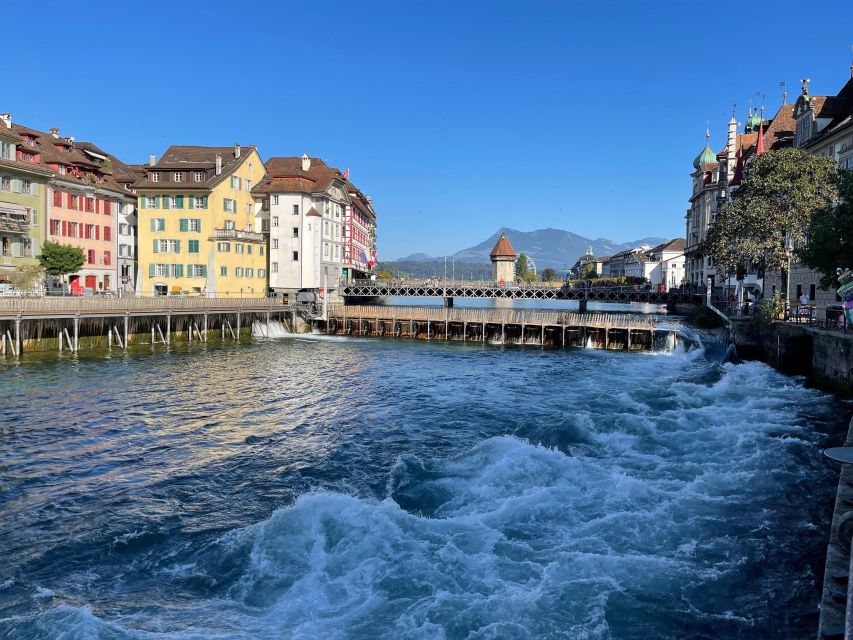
(503, 260)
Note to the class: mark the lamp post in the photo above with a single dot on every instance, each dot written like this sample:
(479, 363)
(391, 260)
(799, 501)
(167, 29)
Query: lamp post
(708, 291)
(789, 249)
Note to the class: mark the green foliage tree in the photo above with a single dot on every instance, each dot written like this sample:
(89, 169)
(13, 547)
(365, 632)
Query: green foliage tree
(780, 193)
(27, 277)
(384, 275)
(549, 275)
(588, 271)
(60, 259)
(523, 271)
(831, 236)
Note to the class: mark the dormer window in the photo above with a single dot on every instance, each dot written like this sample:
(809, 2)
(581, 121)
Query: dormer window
(179, 176)
(155, 176)
(62, 169)
(199, 176)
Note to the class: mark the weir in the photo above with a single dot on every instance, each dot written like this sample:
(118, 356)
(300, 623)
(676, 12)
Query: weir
(609, 331)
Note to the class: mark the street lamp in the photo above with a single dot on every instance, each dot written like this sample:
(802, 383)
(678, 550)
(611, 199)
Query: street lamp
(789, 250)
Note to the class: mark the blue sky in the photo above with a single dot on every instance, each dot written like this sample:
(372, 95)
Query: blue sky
(456, 117)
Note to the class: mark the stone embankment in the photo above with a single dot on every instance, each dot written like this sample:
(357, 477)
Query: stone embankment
(824, 357)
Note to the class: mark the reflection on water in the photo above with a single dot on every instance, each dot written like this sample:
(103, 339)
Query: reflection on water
(339, 488)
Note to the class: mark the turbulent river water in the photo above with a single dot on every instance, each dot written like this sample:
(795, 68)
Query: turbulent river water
(337, 488)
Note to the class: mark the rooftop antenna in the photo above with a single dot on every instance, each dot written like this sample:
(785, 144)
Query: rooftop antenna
(734, 109)
(785, 93)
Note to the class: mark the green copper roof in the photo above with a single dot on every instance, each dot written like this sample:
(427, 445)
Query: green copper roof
(753, 122)
(706, 157)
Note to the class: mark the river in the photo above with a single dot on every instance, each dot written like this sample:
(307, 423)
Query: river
(344, 488)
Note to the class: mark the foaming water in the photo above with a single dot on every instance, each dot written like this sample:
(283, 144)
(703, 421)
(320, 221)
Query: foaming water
(345, 488)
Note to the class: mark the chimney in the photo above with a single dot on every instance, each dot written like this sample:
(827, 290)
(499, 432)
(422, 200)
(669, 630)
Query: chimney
(218, 163)
(54, 132)
(237, 150)
(152, 160)
(6, 118)
(306, 162)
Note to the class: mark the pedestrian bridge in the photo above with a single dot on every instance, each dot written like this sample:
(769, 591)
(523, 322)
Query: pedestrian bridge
(540, 291)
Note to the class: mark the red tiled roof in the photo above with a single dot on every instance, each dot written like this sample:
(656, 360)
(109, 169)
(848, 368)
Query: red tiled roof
(503, 249)
(780, 133)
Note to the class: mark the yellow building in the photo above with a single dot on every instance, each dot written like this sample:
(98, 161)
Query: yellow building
(197, 232)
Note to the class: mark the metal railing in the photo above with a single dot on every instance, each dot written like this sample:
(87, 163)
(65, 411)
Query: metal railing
(234, 234)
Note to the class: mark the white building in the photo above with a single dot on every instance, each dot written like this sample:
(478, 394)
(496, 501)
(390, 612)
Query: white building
(306, 207)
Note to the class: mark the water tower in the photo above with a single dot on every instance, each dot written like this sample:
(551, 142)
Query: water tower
(503, 261)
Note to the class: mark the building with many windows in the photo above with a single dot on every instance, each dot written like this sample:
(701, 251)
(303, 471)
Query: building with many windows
(23, 185)
(197, 223)
(321, 227)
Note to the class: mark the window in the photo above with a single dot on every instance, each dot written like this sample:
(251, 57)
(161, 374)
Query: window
(262, 273)
(5, 183)
(196, 271)
(108, 257)
(200, 202)
(238, 248)
(229, 205)
(325, 250)
(55, 228)
(235, 182)
(158, 224)
(162, 270)
(179, 176)
(223, 271)
(238, 272)
(261, 250)
(167, 246)
(90, 256)
(155, 176)
(229, 225)
(123, 229)
(250, 272)
(296, 209)
(199, 176)
(107, 207)
(295, 232)
(90, 231)
(275, 243)
(274, 221)
(195, 224)
(73, 230)
(250, 167)
(296, 256)
(274, 267)
(34, 217)
(248, 185)
(57, 198)
(27, 186)
(6, 150)
(249, 249)
(192, 246)
(812, 293)
(90, 205)
(151, 202)
(275, 199)
(223, 247)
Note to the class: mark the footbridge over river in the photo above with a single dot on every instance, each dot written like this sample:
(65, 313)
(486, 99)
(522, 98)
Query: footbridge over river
(448, 291)
(614, 331)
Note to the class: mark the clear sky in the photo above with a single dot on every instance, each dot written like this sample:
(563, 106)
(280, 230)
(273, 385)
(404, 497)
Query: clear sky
(456, 117)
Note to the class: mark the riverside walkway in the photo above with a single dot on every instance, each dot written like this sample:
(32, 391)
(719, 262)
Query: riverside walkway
(504, 326)
(449, 291)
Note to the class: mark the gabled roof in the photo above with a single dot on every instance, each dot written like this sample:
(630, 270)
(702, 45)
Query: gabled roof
(192, 158)
(285, 175)
(780, 133)
(676, 244)
(503, 249)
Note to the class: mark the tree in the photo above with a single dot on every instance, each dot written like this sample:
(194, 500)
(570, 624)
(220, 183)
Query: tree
(27, 277)
(60, 259)
(780, 193)
(549, 275)
(831, 236)
(523, 271)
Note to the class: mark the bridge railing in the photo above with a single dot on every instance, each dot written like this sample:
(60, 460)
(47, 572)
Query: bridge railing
(534, 286)
(495, 316)
(130, 305)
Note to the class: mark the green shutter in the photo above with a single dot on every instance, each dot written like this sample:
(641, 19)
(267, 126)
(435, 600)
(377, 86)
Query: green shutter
(150, 270)
(249, 249)
(204, 202)
(156, 245)
(190, 273)
(204, 271)
(193, 246)
(190, 202)
(153, 224)
(156, 202)
(179, 270)
(179, 202)
(177, 246)
(183, 224)
(142, 202)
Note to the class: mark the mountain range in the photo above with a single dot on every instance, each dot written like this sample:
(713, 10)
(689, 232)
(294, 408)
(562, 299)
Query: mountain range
(555, 248)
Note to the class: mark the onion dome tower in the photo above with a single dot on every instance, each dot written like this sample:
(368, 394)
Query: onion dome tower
(503, 260)
(706, 156)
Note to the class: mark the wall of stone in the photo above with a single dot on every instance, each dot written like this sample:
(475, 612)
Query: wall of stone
(804, 278)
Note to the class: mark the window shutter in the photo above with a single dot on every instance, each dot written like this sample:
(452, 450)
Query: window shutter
(156, 202)
(191, 202)
(179, 202)
(179, 270)
(64, 228)
(97, 232)
(183, 224)
(177, 246)
(142, 202)
(156, 245)
(225, 204)
(153, 224)
(97, 206)
(203, 271)
(150, 270)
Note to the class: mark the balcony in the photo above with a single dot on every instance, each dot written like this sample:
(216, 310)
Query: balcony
(234, 234)
(14, 221)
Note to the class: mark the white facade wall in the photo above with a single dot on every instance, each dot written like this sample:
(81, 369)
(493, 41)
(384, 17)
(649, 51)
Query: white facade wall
(126, 245)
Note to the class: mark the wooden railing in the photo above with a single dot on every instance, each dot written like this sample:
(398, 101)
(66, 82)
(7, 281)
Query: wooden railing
(31, 306)
(494, 316)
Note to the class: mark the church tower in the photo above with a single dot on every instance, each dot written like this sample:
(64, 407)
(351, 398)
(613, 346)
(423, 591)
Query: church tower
(503, 261)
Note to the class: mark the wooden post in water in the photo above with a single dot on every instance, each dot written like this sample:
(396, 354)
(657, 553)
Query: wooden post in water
(59, 334)
(628, 343)
(125, 331)
(168, 328)
(17, 337)
(606, 337)
(238, 326)
(76, 334)
(205, 327)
